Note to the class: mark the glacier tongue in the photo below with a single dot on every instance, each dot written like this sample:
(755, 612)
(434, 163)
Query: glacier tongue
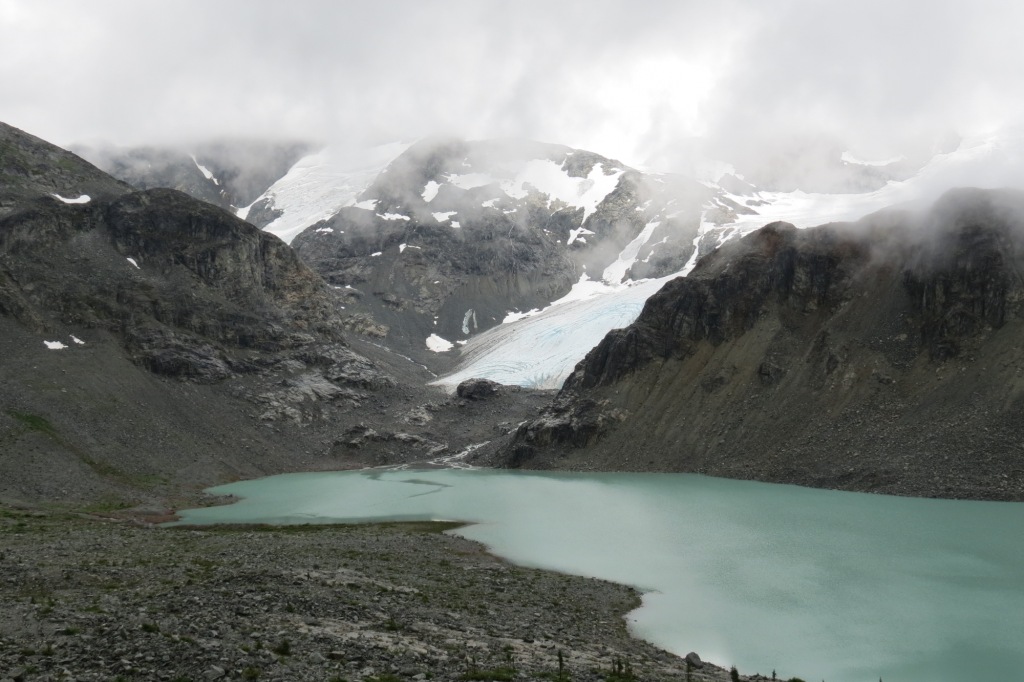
(539, 350)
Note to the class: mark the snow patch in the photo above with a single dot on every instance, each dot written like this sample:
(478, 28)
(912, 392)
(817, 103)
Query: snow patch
(393, 216)
(456, 224)
(438, 344)
(77, 340)
(403, 247)
(471, 180)
(548, 177)
(514, 315)
(325, 230)
(367, 205)
(376, 253)
(443, 216)
(132, 261)
(575, 235)
(83, 199)
(55, 345)
(430, 191)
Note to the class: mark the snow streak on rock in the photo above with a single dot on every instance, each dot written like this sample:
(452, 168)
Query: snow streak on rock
(614, 273)
(83, 199)
(206, 172)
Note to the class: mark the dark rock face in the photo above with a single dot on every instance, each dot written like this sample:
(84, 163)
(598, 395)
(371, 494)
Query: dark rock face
(800, 270)
(456, 237)
(465, 279)
(204, 285)
(876, 356)
(478, 389)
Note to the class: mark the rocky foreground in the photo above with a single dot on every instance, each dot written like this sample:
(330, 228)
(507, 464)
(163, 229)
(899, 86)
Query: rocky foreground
(90, 599)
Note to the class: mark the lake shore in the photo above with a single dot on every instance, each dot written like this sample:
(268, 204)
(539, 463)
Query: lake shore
(91, 599)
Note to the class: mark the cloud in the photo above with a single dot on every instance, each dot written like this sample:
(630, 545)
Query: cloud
(641, 81)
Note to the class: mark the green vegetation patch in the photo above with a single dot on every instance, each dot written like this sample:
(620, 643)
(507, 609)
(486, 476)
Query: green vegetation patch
(35, 423)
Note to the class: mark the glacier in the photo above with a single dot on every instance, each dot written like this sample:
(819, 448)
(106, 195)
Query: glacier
(539, 349)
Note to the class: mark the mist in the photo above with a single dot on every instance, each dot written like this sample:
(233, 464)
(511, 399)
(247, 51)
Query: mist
(664, 85)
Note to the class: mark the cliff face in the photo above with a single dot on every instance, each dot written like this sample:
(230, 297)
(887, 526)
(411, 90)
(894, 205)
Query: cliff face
(877, 356)
(167, 274)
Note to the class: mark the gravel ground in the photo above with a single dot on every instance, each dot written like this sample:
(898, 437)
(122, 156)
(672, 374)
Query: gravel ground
(91, 599)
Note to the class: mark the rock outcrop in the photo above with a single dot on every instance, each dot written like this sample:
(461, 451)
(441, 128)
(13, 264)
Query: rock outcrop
(186, 285)
(876, 356)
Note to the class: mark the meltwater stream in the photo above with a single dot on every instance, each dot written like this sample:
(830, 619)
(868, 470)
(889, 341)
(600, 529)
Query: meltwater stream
(843, 587)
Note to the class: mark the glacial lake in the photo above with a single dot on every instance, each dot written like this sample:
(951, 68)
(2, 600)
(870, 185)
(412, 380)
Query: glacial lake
(834, 586)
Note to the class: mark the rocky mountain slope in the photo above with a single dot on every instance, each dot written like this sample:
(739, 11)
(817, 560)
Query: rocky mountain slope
(454, 235)
(154, 343)
(882, 356)
(30, 168)
(227, 173)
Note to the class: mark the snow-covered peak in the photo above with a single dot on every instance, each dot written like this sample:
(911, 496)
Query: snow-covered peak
(988, 161)
(553, 180)
(542, 177)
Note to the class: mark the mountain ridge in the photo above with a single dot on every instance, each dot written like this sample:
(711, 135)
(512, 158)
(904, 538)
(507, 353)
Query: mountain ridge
(859, 357)
(156, 344)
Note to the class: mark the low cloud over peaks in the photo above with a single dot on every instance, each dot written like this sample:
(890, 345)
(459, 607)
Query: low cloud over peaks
(651, 83)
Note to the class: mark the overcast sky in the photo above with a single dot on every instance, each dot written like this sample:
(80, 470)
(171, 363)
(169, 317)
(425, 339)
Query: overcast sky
(646, 82)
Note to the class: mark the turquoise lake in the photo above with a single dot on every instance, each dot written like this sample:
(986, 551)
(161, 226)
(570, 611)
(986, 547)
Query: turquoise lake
(826, 585)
